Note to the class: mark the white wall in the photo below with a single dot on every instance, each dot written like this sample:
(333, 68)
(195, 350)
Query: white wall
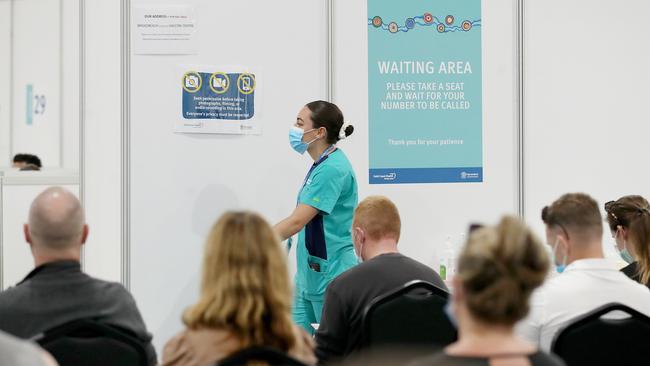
(37, 62)
(18, 190)
(102, 165)
(5, 76)
(431, 212)
(180, 183)
(70, 84)
(586, 97)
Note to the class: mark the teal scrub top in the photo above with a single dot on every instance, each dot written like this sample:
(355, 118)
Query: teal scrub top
(324, 248)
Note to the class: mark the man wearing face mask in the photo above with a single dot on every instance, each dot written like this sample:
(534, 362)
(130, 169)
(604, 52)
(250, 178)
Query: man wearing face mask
(574, 230)
(376, 231)
(325, 206)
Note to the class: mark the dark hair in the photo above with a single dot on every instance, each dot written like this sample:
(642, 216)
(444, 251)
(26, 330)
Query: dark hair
(575, 212)
(328, 115)
(27, 158)
(633, 214)
(19, 158)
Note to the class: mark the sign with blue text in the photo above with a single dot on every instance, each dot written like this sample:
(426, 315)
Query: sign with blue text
(424, 91)
(218, 102)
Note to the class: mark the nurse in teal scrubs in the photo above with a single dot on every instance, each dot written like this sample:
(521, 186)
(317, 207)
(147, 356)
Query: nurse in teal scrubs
(323, 214)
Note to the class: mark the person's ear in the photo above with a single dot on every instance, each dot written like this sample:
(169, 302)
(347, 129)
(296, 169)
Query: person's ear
(28, 236)
(322, 132)
(359, 234)
(84, 234)
(563, 243)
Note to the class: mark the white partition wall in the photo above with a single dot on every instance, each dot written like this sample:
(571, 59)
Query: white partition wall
(101, 158)
(36, 92)
(5, 82)
(180, 183)
(586, 94)
(17, 191)
(431, 212)
(70, 74)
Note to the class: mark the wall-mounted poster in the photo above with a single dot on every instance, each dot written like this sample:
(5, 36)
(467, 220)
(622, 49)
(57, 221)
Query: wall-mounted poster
(424, 91)
(219, 100)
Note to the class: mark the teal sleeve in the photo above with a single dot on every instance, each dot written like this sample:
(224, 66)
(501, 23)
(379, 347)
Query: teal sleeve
(323, 189)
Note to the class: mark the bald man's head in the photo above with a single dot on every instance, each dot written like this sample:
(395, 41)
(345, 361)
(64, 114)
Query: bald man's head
(56, 220)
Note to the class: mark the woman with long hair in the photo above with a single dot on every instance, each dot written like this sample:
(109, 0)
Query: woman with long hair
(245, 297)
(629, 222)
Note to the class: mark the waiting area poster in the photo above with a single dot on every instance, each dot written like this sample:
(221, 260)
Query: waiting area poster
(424, 91)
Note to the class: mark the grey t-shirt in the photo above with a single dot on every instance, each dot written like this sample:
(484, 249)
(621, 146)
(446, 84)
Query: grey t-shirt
(347, 296)
(16, 352)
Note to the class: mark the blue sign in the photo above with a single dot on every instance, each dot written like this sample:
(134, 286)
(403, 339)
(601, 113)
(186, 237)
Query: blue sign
(29, 106)
(218, 95)
(424, 91)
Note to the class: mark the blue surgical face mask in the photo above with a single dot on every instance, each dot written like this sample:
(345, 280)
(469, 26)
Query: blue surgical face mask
(295, 139)
(449, 311)
(359, 257)
(624, 253)
(627, 257)
(559, 267)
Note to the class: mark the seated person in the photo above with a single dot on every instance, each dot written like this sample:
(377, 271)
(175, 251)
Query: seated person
(57, 291)
(16, 352)
(245, 298)
(375, 230)
(574, 230)
(26, 162)
(629, 222)
(498, 269)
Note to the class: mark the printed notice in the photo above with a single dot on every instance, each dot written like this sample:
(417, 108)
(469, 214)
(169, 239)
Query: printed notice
(164, 30)
(424, 91)
(219, 100)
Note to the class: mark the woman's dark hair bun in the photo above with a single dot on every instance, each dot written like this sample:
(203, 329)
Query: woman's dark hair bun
(349, 130)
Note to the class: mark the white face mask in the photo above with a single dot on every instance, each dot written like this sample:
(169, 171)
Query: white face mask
(559, 267)
(360, 252)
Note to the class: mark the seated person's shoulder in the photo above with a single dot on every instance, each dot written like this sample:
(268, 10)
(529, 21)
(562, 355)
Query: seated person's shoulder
(113, 291)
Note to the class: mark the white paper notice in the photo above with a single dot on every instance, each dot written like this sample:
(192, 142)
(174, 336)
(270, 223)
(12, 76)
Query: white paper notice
(164, 30)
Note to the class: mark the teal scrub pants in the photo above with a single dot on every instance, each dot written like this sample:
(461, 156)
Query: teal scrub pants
(305, 311)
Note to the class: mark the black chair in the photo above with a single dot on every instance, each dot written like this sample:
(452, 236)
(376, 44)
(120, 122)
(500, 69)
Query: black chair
(255, 355)
(87, 342)
(593, 340)
(412, 315)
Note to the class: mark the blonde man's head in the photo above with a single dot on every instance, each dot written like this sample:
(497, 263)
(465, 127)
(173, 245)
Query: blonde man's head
(379, 218)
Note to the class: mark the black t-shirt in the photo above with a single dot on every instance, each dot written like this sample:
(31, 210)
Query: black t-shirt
(346, 298)
(536, 359)
(632, 271)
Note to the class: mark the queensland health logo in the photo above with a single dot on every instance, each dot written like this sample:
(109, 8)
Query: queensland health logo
(465, 175)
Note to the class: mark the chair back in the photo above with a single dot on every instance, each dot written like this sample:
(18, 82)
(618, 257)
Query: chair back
(259, 355)
(596, 340)
(411, 315)
(87, 342)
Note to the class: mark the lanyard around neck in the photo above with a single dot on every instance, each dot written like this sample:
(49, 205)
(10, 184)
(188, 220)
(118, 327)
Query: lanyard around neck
(322, 158)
